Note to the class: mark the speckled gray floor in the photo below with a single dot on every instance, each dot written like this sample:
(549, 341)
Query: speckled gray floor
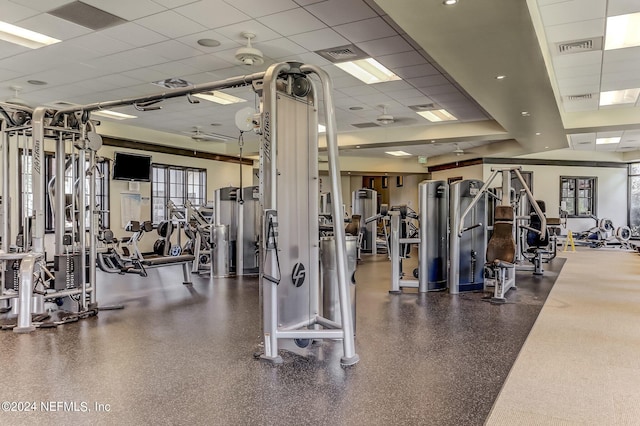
(180, 355)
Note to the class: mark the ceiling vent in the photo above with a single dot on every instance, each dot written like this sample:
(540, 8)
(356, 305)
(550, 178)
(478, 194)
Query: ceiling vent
(583, 97)
(345, 53)
(579, 46)
(364, 125)
(87, 16)
(424, 107)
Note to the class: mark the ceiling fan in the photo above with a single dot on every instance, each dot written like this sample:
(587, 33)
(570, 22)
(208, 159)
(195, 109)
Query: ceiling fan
(16, 100)
(458, 151)
(385, 118)
(198, 135)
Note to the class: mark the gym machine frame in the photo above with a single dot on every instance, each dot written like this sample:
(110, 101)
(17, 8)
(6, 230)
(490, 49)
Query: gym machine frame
(504, 282)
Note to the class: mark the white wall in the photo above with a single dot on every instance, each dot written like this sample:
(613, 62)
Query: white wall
(611, 190)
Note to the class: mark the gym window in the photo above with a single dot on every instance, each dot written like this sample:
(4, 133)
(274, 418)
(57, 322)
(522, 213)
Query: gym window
(578, 195)
(102, 188)
(177, 184)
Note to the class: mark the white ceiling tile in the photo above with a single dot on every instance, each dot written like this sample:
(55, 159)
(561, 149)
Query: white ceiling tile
(261, 8)
(578, 59)
(336, 12)
(170, 24)
(234, 32)
(400, 60)
(622, 7)
(126, 9)
(365, 30)
(10, 50)
(212, 13)
(620, 81)
(225, 43)
(427, 81)
(133, 34)
(360, 90)
(139, 57)
(97, 44)
(415, 71)
(308, 2)
(448, 98)
(573, 11)
(280, 47)
(438, 89)
(291, 22)
(147, 74)
(409, 101)
(41, 5)
(53, 26)
(306, 58)
(564, 73)
(208, 63)
(393, 86)
(385, 46)
(319, 39)
(12, 12)
(173, 50)
(575, 31)
(174, 69)
(9, 74)
(345, 81)
(587, 80)
(170, 4)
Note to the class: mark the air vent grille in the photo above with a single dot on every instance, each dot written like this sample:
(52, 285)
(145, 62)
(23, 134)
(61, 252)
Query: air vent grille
(365, 125)
(583, 97)
(578, 46)
(86, 15)
(344, 53)
(424, 107)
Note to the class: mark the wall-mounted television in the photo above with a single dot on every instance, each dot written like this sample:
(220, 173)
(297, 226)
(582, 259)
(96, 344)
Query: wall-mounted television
(132, 167)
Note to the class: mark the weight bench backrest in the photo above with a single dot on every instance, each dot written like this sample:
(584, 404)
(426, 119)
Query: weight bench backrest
(501, 245)
(353, 227)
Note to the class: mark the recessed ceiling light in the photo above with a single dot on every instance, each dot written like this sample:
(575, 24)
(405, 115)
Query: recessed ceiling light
(546, 147)
(538, 133)
(368, 71)
(208, 42)
(501, 77)
(619, 97)
(622, 31)
(322, 128)
(357, 146)
(606, 141)
(449, 2)
(113, 114)
(219, 97)
(437, 115)
(24, 37)
(37, 82)
(398, 153)
(525, 114)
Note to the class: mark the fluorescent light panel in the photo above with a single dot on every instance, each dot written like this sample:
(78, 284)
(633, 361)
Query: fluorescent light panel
(24, 37)
(113, 114)
(436, 115)
(398, 153)
(622, 31)
(606, 141)
(619, 97)
(219, 97)
(368, 71)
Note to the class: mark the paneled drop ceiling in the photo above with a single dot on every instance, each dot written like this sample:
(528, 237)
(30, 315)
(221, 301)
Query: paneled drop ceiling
(446, 56)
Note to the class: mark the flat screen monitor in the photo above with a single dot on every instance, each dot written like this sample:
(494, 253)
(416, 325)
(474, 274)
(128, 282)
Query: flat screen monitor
(132, 167)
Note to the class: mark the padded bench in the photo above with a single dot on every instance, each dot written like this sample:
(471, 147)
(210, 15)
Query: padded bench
(167, 260)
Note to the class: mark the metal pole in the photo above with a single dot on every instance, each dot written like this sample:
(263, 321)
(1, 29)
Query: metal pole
(350, 357)
(92, 224)
(394, 247)
(5, 188)
(268, 175)
(38, 183)
(423, 251)
(454, 238)
(534, 203)
(475, 200)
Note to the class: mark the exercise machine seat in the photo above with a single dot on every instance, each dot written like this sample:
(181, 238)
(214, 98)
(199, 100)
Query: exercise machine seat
(535, 240)
(501, 249)
(353, 227)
